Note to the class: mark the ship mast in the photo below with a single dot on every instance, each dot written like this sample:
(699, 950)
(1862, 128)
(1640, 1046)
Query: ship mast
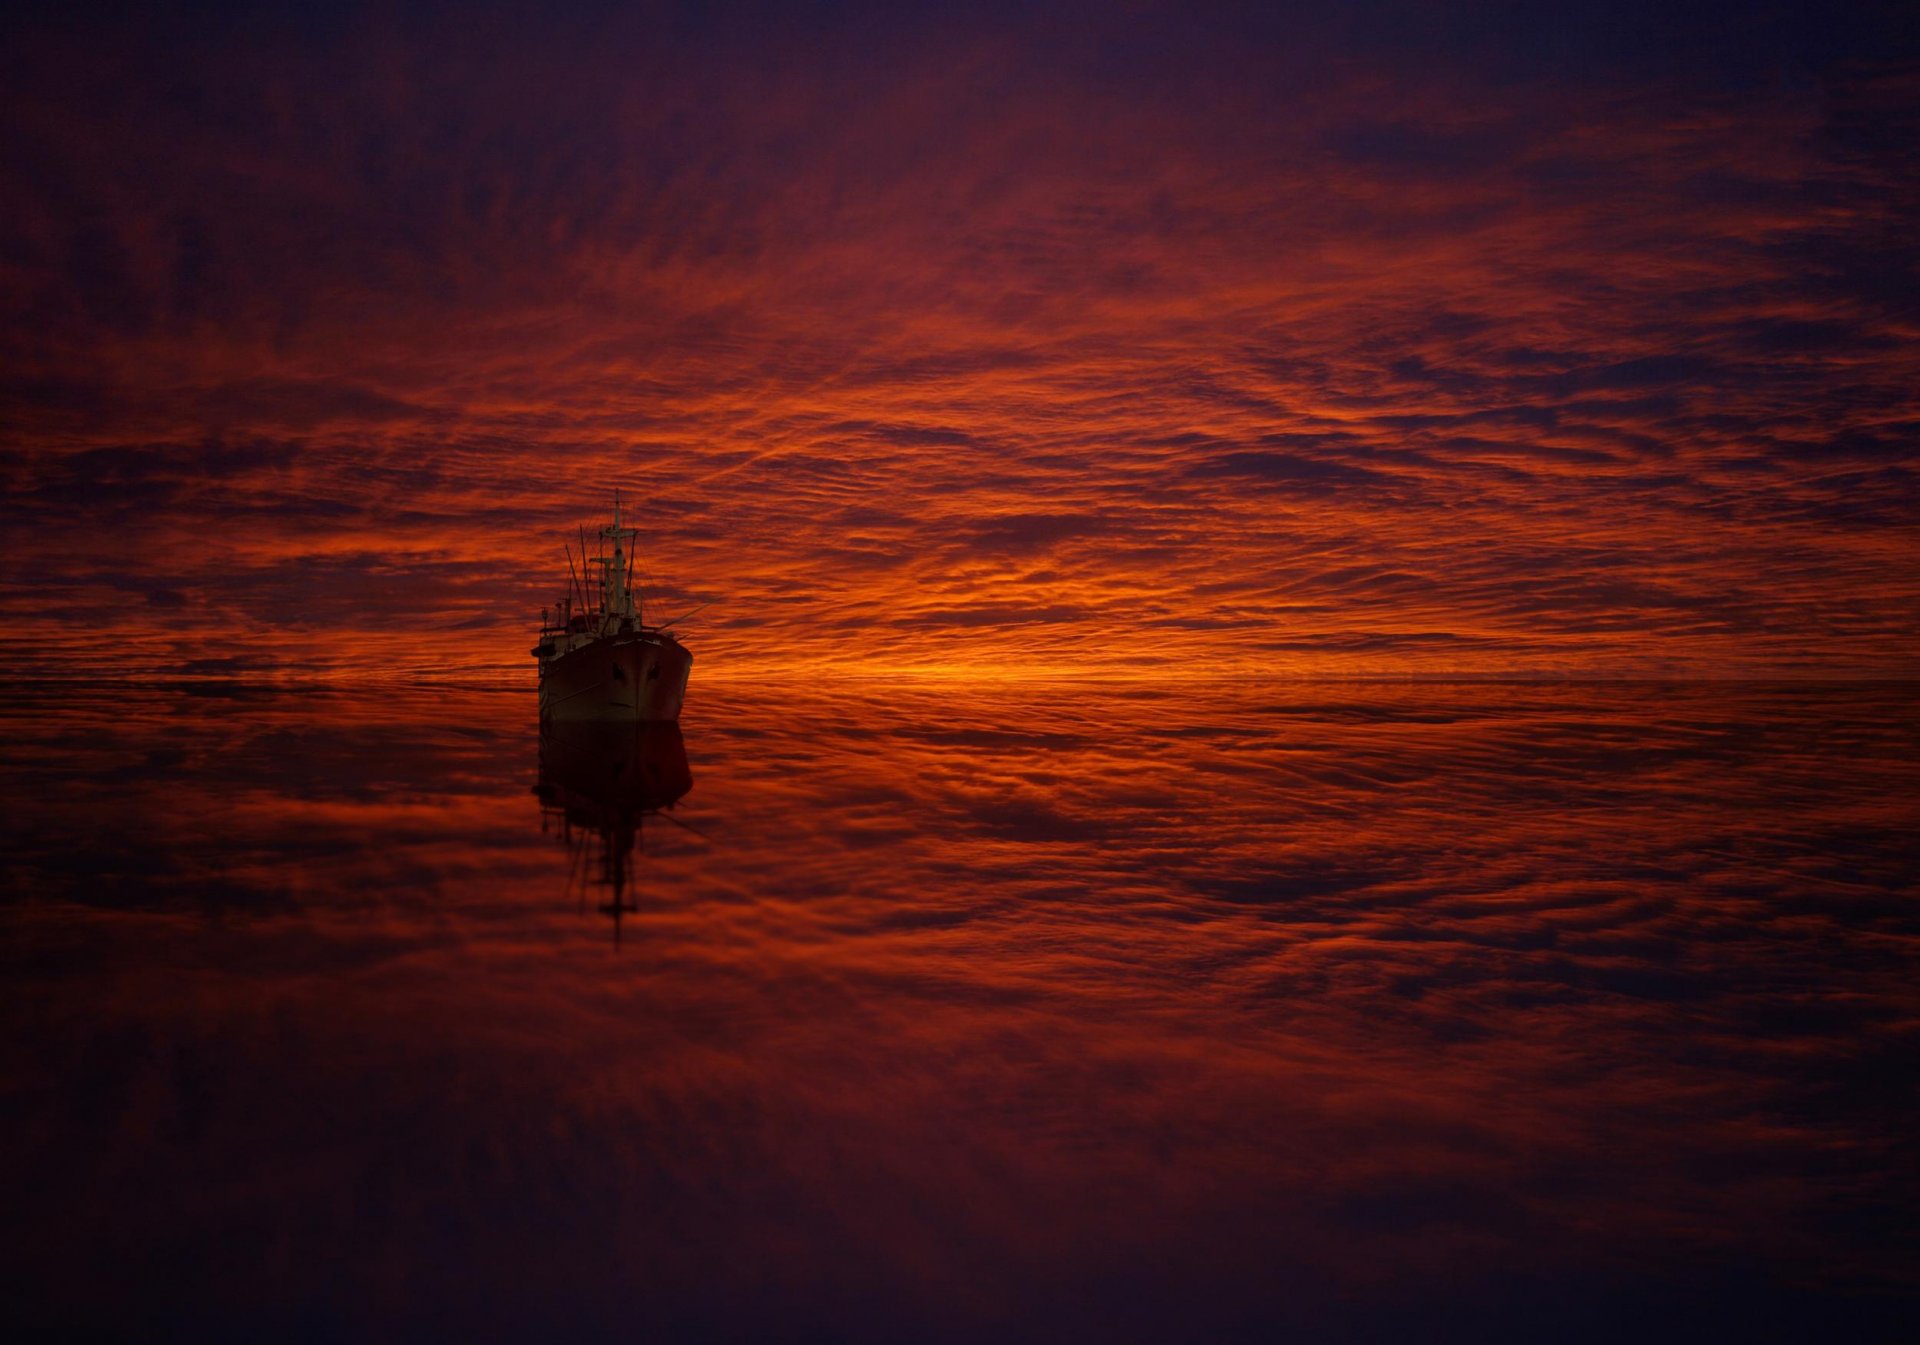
(617, 598)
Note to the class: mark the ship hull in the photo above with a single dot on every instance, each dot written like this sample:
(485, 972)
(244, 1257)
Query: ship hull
(622, 679)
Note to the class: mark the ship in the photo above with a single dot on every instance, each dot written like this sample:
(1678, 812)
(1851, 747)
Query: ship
(599, 659)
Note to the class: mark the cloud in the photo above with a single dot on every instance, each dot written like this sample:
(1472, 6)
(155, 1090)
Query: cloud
(863, 315)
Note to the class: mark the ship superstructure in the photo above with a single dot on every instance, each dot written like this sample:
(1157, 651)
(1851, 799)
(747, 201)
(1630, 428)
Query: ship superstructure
(598, 658)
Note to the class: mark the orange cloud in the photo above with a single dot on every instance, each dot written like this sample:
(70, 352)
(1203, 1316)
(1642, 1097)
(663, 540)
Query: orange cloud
(955, 361)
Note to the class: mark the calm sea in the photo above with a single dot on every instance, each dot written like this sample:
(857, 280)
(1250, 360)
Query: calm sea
(926, 1013)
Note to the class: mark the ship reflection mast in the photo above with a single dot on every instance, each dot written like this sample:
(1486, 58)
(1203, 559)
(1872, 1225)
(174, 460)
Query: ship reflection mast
(598, 784)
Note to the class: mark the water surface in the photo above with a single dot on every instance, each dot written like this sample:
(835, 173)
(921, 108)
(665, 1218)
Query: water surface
(882, 1012)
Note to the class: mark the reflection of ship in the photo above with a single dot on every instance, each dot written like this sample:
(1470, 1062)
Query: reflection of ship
(598, 659)
(602, 781)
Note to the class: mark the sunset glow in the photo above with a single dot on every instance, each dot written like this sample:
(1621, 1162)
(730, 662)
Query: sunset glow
(1037, 344)
(1239, 672)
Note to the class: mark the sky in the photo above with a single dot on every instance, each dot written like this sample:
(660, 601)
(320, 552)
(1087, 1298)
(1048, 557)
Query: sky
(1346, 339)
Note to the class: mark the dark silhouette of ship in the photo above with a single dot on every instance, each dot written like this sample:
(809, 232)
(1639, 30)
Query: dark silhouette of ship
(600, 784)
(598, 659)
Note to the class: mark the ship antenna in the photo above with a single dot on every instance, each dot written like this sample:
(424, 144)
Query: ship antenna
(633, 599)
(583, 566)
(576, 577)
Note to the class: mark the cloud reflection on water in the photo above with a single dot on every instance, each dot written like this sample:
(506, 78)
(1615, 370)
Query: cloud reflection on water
(1026, 1011)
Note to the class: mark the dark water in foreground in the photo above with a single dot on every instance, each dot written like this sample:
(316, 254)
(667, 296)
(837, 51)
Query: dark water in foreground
(1280, 1012)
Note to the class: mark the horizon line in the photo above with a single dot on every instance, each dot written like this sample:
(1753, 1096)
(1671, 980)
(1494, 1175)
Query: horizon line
(277, 679)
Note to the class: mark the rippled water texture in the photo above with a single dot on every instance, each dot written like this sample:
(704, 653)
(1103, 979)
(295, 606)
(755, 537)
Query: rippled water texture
(1287, 1011)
